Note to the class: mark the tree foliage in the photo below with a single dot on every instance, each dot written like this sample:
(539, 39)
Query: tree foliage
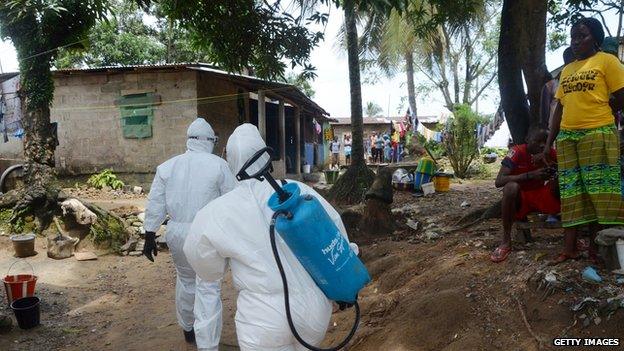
(301, 82)
(372, 109)
(245, 34)
(37, 29)
(126, 39)
(461, 140)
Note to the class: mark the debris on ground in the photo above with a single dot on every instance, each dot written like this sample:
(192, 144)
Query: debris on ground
(85, 256)
(106, 193)
(80, 212)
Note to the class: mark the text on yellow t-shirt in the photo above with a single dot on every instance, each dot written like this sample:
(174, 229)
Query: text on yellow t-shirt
(584, 89)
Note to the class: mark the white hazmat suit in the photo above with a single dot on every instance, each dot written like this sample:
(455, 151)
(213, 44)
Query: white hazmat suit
(182, 186)
(234, 229)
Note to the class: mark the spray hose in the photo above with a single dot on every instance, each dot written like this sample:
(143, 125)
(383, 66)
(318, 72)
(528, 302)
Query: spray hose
(287, 299)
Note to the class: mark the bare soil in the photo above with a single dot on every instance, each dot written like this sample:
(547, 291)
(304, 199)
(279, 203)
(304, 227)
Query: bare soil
(438, 294)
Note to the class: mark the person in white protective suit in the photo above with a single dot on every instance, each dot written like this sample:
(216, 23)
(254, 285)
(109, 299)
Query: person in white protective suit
(181, 187)
(234, 229)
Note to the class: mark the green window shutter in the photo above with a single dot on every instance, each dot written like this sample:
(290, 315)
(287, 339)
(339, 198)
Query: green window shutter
(137, 113)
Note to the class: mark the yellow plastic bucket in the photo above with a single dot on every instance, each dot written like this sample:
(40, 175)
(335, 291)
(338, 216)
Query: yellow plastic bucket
(442, 182)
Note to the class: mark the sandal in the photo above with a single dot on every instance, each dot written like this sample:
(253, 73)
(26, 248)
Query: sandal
(564, 257)
(500, 254)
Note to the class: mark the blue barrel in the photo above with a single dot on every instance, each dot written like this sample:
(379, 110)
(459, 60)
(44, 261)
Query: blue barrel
(420, 179)
(318, 244)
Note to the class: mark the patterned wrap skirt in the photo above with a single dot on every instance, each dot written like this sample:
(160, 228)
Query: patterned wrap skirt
(589, 176)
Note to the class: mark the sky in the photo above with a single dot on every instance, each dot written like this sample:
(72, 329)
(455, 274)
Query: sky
(332, 82)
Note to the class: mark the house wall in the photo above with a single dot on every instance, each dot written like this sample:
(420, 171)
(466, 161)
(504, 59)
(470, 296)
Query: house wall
(89, 123)
(218, 103)
(11, 152)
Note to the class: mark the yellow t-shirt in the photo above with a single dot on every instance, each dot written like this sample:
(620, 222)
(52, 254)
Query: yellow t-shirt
(584, 89)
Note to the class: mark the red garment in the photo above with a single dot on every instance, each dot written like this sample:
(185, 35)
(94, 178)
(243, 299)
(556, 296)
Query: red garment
(540, 200)
(520, 161)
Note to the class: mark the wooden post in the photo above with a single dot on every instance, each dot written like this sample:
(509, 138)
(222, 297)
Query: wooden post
(262, 114)
(282, 133)
(298, 139)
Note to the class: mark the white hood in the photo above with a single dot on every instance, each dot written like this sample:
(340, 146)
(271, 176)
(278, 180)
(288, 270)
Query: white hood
(244, 142)
(202, 130)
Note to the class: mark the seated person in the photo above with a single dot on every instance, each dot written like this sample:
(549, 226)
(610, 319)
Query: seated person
(527, 187)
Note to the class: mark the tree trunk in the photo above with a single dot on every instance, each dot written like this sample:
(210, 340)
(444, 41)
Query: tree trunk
(377, 218)
(534, 58)
(411, 88)
(352, 185)
(41, 192)
(357, 148)
(513, 97)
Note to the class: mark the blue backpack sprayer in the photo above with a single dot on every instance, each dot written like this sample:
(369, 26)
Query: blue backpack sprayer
(318, 244)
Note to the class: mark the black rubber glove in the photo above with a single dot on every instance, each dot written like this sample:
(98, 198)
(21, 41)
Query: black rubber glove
(150, 246)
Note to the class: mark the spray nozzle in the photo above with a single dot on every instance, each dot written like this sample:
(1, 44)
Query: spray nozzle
(263, 173)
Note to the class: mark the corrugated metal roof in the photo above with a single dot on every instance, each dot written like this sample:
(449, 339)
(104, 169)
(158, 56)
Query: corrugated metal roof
(286, 91)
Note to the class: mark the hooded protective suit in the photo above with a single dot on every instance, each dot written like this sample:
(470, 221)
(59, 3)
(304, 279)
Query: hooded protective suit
(182, 186)
(234, 229)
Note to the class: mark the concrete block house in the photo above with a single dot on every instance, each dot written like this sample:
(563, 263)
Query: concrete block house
(133, 118)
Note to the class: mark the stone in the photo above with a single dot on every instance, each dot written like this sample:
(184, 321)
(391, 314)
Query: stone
(137, 224)
(130, 245)
(61, 246)
(412, 224)
(135, 253)
(141, 231)
(85, 256)
(82, 214)
(141, 216)
(431, 235)
(140, 244)
(137, 190)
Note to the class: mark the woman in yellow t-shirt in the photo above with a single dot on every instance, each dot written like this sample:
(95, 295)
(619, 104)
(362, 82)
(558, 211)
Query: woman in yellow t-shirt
(587, 141)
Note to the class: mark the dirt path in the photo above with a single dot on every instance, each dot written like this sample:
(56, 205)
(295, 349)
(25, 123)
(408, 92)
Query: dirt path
(426, 294)
(114, 303)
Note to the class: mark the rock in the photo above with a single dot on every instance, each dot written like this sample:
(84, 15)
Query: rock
(6, 323)
(130, 245)
(431, 235)
(137, 224)
(141, 216)
(412, 224)
(135, 253)
(85, 256)
(140, 244)
(106, 188)
(60, 247)
(137, 190)
(550, 277)
(82, 214)
(465, 204)
(141, 231)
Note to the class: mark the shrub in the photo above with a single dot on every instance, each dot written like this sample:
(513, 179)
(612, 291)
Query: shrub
(105, 178)
(461, 139)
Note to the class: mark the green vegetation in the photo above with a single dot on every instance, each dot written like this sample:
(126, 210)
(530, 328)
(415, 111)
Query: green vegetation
(105, 178)
(461, 141)
(499, 151)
